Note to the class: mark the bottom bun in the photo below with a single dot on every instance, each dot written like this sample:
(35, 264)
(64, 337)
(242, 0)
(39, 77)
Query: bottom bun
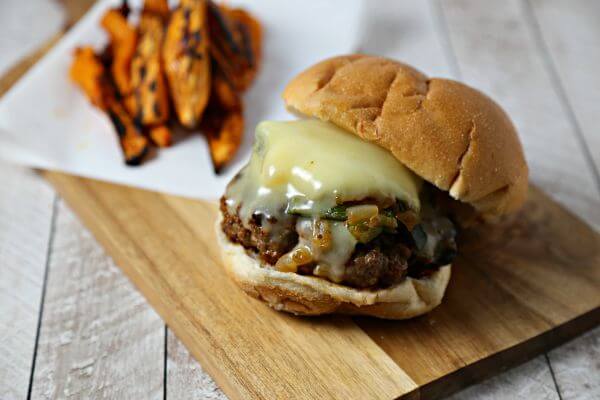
(310, 295)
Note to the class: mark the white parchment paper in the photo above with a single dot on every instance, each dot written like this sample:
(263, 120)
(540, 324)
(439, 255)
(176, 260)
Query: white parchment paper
(46, 122)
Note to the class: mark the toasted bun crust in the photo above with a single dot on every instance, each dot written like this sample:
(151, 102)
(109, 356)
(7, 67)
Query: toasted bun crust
(307, 295)
(451, 135)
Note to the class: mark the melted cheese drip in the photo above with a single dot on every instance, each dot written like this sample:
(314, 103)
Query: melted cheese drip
(332, 260)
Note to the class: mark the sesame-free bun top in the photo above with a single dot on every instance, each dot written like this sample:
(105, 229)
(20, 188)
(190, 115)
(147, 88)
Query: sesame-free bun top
(450, 134)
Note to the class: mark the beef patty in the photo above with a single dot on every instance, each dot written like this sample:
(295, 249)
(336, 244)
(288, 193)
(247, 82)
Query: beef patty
(382, 262)
(269, 244)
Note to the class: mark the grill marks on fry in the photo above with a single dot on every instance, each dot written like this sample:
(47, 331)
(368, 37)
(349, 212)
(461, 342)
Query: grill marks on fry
(133, 143)
(235, 49)
(223, 124)
(123, 38)
(118, 124)
(224, 130)
(89, 73)
(196, 59)
(197, 36)
(246, 43)
(186, 67)
(223, 26)
(236, 44)
(150, 97)
(192, 53)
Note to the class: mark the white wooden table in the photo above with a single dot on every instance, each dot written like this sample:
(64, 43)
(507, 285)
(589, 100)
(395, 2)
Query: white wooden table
(72, 326)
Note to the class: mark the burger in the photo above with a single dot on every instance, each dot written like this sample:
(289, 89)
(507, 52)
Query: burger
(355, 207)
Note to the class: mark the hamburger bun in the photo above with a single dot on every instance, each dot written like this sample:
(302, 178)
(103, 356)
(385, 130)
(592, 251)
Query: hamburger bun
(449, 134)
(310, 295)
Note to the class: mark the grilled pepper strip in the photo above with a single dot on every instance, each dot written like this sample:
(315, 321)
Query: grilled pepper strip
(298, 207)
(187, 62)
(149, 102)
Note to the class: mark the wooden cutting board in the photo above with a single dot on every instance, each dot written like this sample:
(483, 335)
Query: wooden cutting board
(517, 289)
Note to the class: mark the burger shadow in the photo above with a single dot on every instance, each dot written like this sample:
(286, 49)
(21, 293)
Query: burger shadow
(343, 322)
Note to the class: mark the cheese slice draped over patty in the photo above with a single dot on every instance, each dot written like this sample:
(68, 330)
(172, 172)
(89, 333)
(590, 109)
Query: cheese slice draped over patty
(316, 165)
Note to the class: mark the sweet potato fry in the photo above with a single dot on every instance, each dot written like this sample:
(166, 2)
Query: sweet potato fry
(223, 92)
(236, 39)
(133, 143)
(149, 101)
(161, 135)
(250, 31)
(223, 130)
(187, 62)
(87, 71)
(157, 7)
(123, 39)
(223, 123)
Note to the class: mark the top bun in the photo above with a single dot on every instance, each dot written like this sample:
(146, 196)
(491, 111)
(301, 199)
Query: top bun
(450, 134)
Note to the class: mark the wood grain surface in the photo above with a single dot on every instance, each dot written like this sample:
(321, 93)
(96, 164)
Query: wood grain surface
(412, 31)
(510, 285)
(539, 60)
(417, 32)
(165, 245)
(520, 287)
(26, 206)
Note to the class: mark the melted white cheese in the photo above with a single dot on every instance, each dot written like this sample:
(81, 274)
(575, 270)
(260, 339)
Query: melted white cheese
(332, 259)
(320, 164)
(317, 165)
(319, 161)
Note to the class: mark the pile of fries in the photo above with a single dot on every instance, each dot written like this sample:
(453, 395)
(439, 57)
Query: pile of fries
(186, 66)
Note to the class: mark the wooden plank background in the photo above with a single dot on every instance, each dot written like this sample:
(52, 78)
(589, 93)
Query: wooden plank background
(73, 327)
(93, 321)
